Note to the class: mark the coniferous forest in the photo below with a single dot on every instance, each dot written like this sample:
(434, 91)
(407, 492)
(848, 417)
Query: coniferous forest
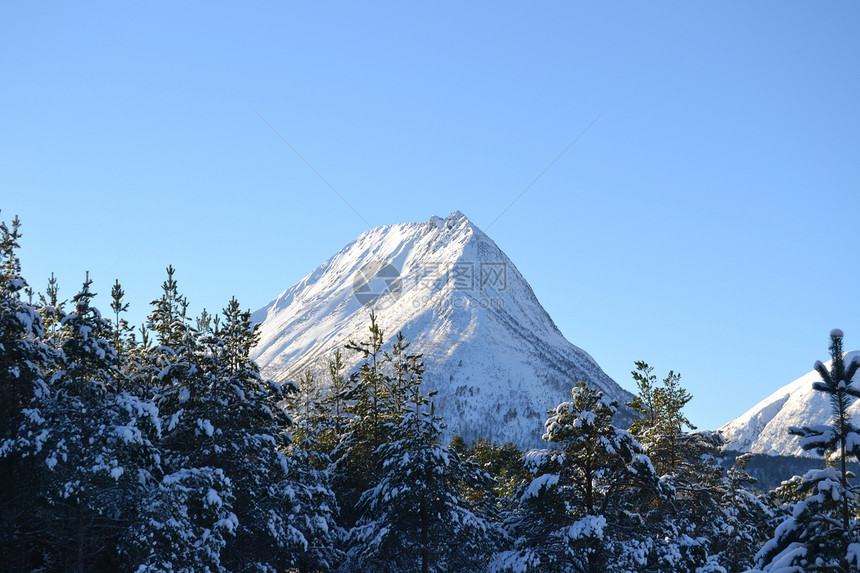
(161, 448)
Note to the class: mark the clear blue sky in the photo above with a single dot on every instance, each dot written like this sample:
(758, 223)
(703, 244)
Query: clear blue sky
(707, 222)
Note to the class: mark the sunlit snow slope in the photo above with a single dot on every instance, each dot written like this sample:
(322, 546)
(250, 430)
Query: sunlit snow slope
(491, 351)
(764, 428)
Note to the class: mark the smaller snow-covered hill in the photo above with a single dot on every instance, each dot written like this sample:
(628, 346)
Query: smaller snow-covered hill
(764, 428)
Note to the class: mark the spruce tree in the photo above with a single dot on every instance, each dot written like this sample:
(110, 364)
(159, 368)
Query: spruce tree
(98, 446)
(502, 461)
(121, 329)
(51, 308)
(745, 523)
(688, 523)
(588, 498)
(24, 361)
(222, 414)
(183, 524)
(661, 421)
(372, 416)
(410, 517)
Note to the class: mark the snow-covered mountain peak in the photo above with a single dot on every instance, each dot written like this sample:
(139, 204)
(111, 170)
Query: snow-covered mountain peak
(491, 351)
(764, 428)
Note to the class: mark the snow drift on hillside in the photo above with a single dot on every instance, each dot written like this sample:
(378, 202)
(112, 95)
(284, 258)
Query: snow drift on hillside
(764, 428)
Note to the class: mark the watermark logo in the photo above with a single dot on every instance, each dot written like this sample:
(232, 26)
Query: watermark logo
(377, 284)
(380, 285)
(463, 276)
(494, 275)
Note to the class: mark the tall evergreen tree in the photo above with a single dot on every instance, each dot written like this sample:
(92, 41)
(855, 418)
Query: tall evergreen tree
(745, 523)
(402, 385)
(337, 393)
(410, 517)
(334, 405)
(661, 422)
(220, 413)
(121, 329)
(588, 498)
(371, 400)
(24, 360)
(165, 367)
(98, 445)
(51, 308)
(246, 432)
(308, 412)
(183, 524)
(690, 521)
(372, 415)
(320, 413)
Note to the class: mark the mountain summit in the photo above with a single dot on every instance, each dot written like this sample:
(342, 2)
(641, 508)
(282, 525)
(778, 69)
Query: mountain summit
(763, 429)
(493, 354)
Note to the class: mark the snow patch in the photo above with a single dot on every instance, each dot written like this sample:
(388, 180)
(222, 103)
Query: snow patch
(206, 426)
(538, 484)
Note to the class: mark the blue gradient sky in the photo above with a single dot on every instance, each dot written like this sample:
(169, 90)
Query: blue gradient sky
(707, 222)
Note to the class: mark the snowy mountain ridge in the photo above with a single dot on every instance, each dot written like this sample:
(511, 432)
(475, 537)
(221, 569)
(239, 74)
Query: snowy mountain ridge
(491, 351)
(763, 429)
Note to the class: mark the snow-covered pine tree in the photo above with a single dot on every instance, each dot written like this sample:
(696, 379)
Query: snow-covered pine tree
(182, 525)
(334, 417)
(186, 516)
(314, 437)
(504, 462)
(21, 353)
(689, 522)
(823, 533)
(284, 509)
(24, 359)
(372, 415)
(220, 415)
(661, 423)
(51, 308)
(122, 331)
(311, 512)
(584, 511)
(97, 446)
(415, 519)
(165, 366)
(746, 519)
(168, 369)
(224, 415)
